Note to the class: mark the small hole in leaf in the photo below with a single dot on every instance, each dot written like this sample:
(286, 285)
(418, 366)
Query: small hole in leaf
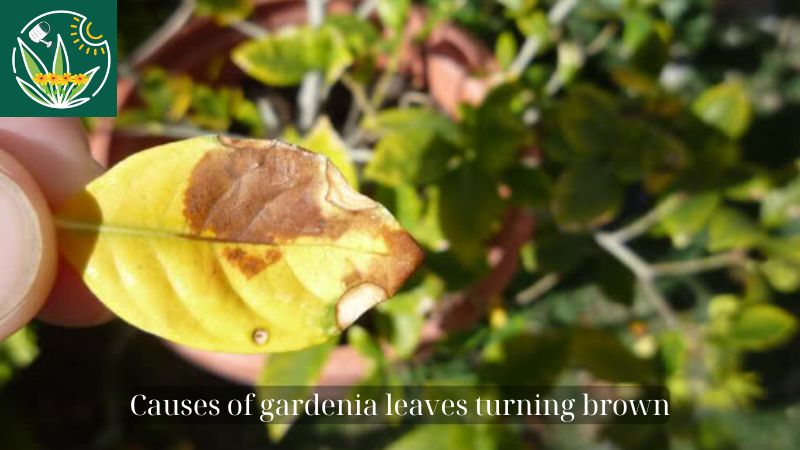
(260, 336)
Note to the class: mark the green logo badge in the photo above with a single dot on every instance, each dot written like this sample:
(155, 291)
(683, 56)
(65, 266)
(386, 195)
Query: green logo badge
(63, 61)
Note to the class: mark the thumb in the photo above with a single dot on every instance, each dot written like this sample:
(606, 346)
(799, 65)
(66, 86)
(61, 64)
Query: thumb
(27, 240)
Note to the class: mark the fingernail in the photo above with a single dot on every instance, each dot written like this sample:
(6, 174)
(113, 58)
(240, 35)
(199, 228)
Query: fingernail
(20, 246)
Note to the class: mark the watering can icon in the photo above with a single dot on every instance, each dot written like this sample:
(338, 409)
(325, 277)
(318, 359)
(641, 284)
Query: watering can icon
(39, 32)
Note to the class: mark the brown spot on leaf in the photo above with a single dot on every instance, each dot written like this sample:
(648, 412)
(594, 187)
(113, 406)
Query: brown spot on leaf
(249, 265)
(272, 256)
(391, 271)
(257, 192)
(262, 192)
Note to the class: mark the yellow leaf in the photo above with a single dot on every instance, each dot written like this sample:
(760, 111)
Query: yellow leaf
(234, 245)
(324, 139)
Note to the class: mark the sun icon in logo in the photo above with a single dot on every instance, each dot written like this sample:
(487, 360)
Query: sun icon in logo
(61, 60)
(82, 37)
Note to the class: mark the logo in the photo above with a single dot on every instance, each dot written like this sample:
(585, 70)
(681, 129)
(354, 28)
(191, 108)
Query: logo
(63, 63)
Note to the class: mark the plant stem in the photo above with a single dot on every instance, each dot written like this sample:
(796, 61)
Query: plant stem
(535, 291)
(361, 155)
(602, 40)
(385, 80)
(269, 117)
(649, 220)
(360, 98)
(169, 29)
(660, 303)
(625, 255)
(643, 272)
(311, 90)
(695, 266)
(560, 11)
(524, 57)
(250, 29)
(359, 105)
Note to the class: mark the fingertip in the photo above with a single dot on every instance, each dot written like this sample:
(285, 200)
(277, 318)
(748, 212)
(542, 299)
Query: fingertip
(27, 238)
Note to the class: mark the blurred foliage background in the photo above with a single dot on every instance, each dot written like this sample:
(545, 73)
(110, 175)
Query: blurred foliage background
(651, 147)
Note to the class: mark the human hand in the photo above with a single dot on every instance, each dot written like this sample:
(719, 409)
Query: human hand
(42, 162)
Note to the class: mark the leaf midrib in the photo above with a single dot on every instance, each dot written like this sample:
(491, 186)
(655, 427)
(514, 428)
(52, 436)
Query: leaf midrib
(75, 226)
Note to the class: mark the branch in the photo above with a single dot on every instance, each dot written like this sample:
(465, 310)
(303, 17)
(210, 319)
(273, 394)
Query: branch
(535, 291)
(524, 57)
(311, 91)
(649, 220)
(644, 274)
(616, 247)
(250, 29)
(691, 267)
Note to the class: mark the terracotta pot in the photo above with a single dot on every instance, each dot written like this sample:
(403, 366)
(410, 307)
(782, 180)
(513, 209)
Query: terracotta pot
(446, 65)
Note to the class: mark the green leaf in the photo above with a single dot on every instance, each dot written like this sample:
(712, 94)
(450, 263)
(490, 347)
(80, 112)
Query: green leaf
(366, 345)
(413, 120)
(419, 214)
(518, 6)
(725, 107)
(469, 210)
(224, 11)
(416, 146)
(359, 35)
(730, 229)
(299, 370)
(616, 281)
(782, 274)
(505, 49)
(563, 253)
(583, 126)
(781, 206)
(690, 218)
(535, 25)
(607, 358)
(284, 59)
(166, 97)
(638, 27)
(324, 139)
(246, 113)
(762, 326)
(524, 358)
(586, 196)
(405, 315)
(211, 109)
(17, 351)
(496, 129)
(459, 437)
(529, 186)
(393, 13)
(672, 346)
(640, 149)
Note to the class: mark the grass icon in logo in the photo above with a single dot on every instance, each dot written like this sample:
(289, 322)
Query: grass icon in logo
(60, 61)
